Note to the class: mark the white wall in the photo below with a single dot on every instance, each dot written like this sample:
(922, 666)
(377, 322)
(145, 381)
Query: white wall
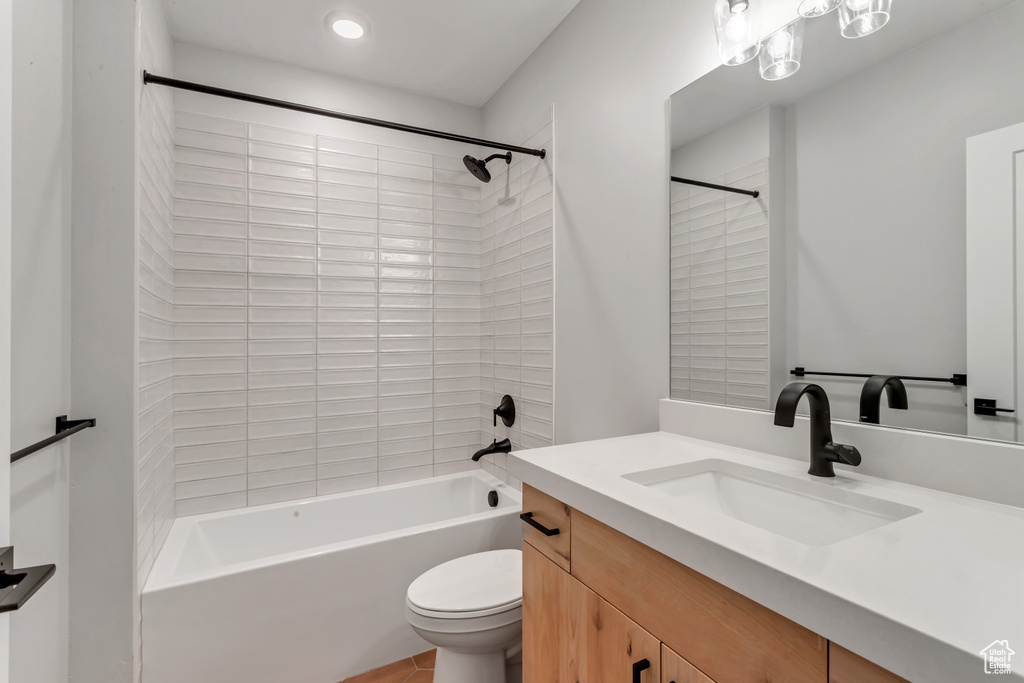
(737, 144)
(106, 82)
(610, 69)
(281, 81)
(40, 338)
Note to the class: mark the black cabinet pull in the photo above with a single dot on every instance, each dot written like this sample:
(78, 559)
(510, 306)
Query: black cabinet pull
(640, 667)
(528, 518)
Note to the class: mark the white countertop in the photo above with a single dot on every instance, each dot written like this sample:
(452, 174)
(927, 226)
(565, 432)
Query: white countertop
(921, 597)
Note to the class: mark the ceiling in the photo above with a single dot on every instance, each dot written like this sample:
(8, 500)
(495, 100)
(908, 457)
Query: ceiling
(456, 50)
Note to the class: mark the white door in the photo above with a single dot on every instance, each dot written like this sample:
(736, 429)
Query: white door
(6, 88)
(995, 291)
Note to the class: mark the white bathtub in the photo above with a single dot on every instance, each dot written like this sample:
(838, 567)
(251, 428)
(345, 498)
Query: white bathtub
(310, 591)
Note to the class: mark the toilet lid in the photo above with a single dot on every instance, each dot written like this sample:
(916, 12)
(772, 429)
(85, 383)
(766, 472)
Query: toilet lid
(474, 583)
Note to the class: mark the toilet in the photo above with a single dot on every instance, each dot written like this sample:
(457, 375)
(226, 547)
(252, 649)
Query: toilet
(471, 609)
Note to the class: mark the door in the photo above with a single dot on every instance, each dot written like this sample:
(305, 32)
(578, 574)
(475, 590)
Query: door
(995, 304)
(571, 635)
(6, 89)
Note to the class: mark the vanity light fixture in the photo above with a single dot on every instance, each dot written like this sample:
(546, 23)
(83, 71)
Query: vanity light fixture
(816, 8)
(346, 26)
(859, 18)
(781, 52)
(738, 28)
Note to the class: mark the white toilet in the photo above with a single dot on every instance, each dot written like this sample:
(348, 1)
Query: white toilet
(471, 609)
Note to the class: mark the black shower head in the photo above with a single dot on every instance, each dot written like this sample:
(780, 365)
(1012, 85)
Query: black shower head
(479, 168)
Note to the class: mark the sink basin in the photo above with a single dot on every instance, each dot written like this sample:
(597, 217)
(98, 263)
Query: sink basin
(809, 512)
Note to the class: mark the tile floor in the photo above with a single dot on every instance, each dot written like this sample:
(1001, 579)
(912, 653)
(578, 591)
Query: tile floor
(418, 669)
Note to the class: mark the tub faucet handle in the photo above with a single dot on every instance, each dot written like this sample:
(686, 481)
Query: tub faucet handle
(506, 410)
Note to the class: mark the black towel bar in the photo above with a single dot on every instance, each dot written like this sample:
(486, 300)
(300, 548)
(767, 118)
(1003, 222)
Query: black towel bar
(65, 428)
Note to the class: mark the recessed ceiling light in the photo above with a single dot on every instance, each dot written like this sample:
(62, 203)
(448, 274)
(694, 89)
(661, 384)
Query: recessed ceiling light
(346, 25)
(346, 28)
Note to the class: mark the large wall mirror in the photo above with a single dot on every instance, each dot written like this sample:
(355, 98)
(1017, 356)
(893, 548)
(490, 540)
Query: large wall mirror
(883, 240)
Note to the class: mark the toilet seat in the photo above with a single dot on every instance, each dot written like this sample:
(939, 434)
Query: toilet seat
(470, 587)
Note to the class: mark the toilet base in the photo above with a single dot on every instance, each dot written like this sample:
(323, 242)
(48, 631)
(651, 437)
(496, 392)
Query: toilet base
(453, 667)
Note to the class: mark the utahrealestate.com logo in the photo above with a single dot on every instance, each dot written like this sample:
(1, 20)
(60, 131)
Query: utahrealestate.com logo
(997, 657)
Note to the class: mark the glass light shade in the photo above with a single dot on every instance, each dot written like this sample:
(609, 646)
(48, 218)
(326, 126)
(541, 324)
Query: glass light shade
(816, 8)
(781, 52)
(859, 18)
(738, 28)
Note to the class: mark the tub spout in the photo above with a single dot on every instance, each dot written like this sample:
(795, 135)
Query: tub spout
(503, 446)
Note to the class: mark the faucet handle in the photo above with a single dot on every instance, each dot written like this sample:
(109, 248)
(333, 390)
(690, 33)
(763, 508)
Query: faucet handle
(848, 455)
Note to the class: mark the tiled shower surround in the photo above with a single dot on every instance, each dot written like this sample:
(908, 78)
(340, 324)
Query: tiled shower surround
(719, 291)
(155, 428)
(346, 315)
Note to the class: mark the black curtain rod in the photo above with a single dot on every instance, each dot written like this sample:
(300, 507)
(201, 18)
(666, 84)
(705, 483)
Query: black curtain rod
(700, 183)
(955, 380)
(65, 428)
(149, 78)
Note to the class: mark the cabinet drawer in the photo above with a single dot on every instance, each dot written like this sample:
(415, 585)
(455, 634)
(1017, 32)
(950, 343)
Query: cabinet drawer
(846, 667)
(724, 634)
(551, 514)
(675, 669)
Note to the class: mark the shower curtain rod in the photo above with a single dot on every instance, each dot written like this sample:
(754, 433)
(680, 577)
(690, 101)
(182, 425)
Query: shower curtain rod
(149, 78)
(700, 183)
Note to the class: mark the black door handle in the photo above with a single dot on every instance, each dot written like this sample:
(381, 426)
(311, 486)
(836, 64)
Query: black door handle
(640, 667)
(987, 407)
(528, 518)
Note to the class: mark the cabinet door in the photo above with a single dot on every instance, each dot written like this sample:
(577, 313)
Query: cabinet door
(609, 647)
(571, 635)
(675, 669)
(546, 610)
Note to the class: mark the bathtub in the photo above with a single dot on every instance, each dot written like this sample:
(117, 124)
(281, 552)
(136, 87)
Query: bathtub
(310, 591)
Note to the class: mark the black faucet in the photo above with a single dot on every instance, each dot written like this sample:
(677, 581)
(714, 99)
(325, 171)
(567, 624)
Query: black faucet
(823, 451)
(871, 396)
(503, 446)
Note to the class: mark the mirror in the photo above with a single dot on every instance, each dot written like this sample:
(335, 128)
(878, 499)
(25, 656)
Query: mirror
(888, 171)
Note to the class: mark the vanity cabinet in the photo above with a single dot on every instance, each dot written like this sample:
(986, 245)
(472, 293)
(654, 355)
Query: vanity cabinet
(603, 601)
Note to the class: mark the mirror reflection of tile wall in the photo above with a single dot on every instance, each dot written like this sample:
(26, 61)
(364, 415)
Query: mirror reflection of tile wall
(719, 295)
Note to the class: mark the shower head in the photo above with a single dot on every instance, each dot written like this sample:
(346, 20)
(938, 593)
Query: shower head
(479, 168)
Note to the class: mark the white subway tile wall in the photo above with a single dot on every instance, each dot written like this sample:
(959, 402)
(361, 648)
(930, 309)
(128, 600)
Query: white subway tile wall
(329, 319)
(719, 291)
(517, 307)
(155, 454)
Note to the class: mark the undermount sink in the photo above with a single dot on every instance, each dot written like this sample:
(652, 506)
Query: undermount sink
(805, 511)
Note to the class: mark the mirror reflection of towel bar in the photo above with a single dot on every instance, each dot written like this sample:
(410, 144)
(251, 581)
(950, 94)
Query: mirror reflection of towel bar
(956, 380)
(725, 188)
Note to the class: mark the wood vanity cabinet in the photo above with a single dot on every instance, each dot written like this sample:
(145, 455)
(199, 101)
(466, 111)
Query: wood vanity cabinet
(596, 602)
